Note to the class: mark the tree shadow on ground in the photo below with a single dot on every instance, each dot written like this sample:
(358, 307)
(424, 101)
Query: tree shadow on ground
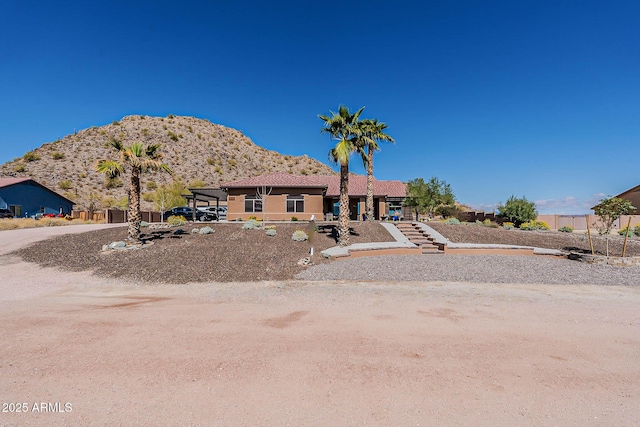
(330, 231)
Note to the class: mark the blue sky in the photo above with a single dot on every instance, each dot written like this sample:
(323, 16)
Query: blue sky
(533, 98)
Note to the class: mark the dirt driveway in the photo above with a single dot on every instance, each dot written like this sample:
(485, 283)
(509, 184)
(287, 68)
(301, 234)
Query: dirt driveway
(93, 352)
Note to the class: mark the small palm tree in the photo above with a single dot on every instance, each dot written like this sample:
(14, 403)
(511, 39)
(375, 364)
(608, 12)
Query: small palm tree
(343, 127)
(372, 133)
(138, 159)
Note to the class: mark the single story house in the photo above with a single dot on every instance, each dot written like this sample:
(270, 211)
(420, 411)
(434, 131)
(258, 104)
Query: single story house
(632, 195)
(26, 197)
(281, 196)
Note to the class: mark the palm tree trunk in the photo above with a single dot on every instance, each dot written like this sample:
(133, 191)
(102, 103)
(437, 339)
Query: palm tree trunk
(369, 204)
(134, 206)
(343, 220)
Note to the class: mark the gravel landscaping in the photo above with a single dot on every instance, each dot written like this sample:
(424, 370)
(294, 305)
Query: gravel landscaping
(230, 254)
(570, 242)
(474, 268)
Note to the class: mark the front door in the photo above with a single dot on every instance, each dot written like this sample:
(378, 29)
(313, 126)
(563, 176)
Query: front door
(354, 209)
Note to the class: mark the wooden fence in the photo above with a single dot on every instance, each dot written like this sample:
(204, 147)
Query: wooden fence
(114, 216)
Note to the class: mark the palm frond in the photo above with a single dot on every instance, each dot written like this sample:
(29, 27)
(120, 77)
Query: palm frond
(110, 168)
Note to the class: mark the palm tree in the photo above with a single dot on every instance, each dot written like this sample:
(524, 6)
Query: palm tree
(344, 128)
(372, 133)
(137, 158)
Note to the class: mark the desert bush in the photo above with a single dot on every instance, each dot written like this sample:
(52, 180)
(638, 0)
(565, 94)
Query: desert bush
(56, 155)
(623, 231)
(452, 221)
(637, 230)
(176, 220)
(507, 225)
(115, 123)
(30, 156)
(144, 224)
(19, 168)
(206, 230)
(65, 184)
(534, 225)
(294, 218)
(172, 136)
(299, 236)
(566, 229)
(271, 232)
(112, 182)
(251, 224)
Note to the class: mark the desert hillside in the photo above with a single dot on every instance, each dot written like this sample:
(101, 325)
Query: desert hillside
(199, 153)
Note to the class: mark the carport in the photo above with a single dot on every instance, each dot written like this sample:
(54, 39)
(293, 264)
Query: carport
(204, 194)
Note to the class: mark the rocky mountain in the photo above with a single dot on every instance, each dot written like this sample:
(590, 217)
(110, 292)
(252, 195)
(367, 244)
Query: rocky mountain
(199, 152)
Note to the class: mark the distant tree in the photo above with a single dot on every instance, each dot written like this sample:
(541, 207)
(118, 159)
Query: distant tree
(343, 127)
(517, 210)
(372, 133)
(136, 158)
(427, 197)
(169, 196)
(609, 210)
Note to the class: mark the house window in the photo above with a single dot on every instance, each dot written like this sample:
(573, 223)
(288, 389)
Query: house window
(16, 209)
(295, 203)
(252, 204)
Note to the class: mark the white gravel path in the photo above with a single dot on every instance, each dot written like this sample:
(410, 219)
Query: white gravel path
(473, 268)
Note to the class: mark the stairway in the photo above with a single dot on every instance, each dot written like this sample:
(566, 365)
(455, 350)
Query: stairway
(417, 236)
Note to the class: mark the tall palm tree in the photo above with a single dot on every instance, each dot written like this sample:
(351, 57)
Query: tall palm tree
(138, 159)
(345, 129)
(372, 133)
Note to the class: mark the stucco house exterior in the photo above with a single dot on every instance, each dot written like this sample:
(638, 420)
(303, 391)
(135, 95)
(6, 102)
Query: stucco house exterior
(24, 196)
(632, 195)
(281, 196)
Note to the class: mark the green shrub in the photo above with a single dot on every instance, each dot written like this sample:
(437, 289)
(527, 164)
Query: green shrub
(294, 218)
(507, 225)
(173, 136)
(518, 210)
(299, 236)
(19, 168)
(30, 156)
(452, 220)
(65, 184)
(271, 232)
(637, 230)
(623, 231)
(486, 221)
(176, 220)
(56, 155)
(566, 229)
(534, 225)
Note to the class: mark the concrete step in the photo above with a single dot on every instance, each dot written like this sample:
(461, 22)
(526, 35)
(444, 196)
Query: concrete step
(430, 252)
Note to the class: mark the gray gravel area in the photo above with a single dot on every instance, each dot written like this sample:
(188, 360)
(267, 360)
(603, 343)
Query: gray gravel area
(474, 268)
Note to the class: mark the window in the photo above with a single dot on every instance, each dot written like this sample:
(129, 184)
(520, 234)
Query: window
(295, 203)
(252, 204)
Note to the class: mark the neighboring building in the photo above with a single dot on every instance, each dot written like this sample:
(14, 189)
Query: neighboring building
(632, 195)
(24, 196)
(280, 196)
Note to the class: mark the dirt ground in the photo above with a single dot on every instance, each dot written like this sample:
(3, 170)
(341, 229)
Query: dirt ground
(98, 351)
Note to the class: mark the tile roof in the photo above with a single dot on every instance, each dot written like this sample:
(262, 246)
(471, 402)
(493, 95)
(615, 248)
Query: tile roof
(357, 184)
(6, 181)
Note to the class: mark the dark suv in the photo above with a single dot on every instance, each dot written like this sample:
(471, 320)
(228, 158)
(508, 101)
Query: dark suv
(184, 211)
(6, 213)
